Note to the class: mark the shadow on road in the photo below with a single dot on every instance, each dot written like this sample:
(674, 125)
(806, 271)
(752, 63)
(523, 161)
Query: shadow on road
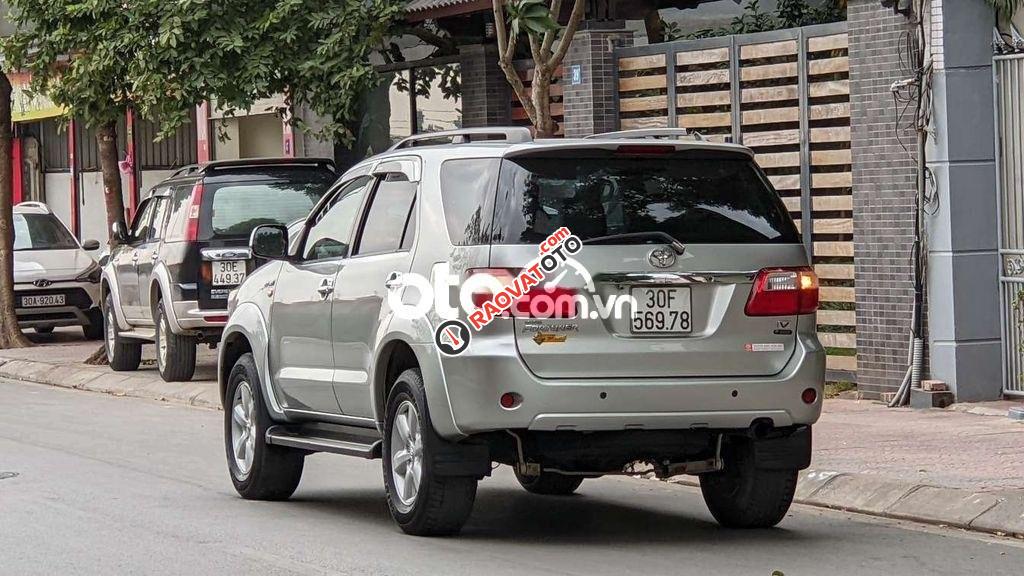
(508, 514)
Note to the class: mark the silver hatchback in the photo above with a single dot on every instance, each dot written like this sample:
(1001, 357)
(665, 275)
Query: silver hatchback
(636, 301)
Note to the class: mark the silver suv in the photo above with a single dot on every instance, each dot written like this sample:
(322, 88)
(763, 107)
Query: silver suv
(714, 369)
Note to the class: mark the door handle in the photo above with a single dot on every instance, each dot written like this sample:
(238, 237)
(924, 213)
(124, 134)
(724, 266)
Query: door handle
(135, 257)
(154, 255)
(394, 280)
(326, 287)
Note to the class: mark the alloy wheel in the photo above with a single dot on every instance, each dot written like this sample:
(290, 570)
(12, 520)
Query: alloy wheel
(161, 344)
(243, 428)
(406, 455)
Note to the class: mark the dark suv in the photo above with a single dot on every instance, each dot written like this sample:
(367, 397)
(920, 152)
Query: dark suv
(168, 280)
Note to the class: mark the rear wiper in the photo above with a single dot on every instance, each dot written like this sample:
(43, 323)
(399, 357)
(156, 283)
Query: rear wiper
(663, 236)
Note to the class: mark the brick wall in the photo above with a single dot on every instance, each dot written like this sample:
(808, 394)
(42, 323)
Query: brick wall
(884, 182)
(591, 106)
(486, 95)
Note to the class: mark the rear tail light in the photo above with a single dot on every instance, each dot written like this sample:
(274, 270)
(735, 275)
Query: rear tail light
(194, 206)
(538, 302)
(783, 292)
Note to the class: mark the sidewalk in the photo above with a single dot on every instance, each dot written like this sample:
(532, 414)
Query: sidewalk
(963, 466)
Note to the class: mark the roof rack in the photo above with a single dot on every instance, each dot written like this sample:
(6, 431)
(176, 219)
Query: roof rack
(666, 133)
(34, 204)
(510, 135)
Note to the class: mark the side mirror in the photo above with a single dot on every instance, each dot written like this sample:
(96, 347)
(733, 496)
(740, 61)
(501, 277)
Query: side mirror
(118, 232)
(91, 245)
(269, 241)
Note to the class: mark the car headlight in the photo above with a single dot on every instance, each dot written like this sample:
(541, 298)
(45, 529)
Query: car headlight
(91, 274)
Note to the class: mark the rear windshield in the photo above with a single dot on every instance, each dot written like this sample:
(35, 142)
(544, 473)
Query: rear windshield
(696, 197)
(41, 232)
(232, 209)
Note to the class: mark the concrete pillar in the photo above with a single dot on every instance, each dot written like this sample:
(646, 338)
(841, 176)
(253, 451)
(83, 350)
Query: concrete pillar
(589, 79)
(884, 188)
(963, 265)
(486, 95)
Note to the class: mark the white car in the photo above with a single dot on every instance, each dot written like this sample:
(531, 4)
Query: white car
(56, 281)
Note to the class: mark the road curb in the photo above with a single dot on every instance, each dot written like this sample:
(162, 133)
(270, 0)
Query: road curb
(103, 380)
(1000, 513)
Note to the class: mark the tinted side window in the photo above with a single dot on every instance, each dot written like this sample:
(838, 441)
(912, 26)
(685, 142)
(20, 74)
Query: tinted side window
(467, 192)
(159, 218)
(329, 234)
(178, 203)
(387, 216)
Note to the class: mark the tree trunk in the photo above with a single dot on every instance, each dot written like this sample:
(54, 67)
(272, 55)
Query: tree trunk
(106, 138)
(541, 96)
(10, 334)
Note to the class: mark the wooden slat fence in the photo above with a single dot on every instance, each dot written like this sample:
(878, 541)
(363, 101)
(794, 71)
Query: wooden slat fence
(786, 95)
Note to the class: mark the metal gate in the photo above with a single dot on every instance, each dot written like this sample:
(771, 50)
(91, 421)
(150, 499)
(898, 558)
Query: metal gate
(1009, 106)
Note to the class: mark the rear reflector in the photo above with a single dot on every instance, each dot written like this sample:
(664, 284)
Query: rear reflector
(217, 319)
(783, 292)
(809, 396)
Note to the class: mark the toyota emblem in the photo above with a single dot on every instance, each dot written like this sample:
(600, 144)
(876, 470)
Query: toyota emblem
(662, 257)
(41, 283)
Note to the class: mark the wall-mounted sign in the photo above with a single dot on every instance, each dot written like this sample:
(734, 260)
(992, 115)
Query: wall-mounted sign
(575, 75)
(26, 106)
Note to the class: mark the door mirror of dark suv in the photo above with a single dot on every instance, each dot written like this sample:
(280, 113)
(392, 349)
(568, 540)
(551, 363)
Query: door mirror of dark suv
(91, 245)
(269, 241)
(120, 235)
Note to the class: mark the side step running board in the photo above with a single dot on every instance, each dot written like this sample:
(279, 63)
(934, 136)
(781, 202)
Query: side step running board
(335, 440)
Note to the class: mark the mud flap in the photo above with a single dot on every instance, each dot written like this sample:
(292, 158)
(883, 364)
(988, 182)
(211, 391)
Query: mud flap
(787, 451)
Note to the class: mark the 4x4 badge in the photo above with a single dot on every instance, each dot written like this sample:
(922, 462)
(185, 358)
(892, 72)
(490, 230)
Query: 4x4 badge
(662, 257)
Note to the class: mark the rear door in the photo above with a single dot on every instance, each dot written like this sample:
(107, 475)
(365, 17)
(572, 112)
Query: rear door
(689, 317)
(234, 201)
(301, 352)
(382, 255)
(149, 248)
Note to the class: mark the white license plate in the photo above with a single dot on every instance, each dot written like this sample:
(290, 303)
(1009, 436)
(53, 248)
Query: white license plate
(228, 272)
(42, 300)
(661, 310)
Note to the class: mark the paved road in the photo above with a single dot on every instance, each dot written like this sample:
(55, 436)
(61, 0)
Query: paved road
(111, 485)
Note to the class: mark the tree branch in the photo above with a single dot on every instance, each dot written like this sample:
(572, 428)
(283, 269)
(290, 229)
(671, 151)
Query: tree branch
(551, 35)
(570, 31)
(506, 52)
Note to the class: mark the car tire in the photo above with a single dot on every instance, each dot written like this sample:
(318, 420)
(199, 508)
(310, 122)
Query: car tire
(175, 353)
(259, 471)
(549, 483)
(743, 496)
(422, 502)
(123, 355)
(43, 329)
(94, 329)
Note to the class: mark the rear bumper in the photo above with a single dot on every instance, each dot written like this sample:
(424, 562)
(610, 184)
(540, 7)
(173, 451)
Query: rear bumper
(475, 382)
(189, 316)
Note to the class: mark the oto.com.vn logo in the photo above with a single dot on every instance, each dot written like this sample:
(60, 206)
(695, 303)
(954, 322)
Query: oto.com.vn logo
(536, 291)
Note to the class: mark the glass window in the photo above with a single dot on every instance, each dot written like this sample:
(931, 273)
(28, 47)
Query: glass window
(329, 235)
(177, 204)
(235, 208)
(159, 217)
(141, 227)
(467, 193)
(387, 216)
(696, 197)
(41, 232)
(410, 228)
